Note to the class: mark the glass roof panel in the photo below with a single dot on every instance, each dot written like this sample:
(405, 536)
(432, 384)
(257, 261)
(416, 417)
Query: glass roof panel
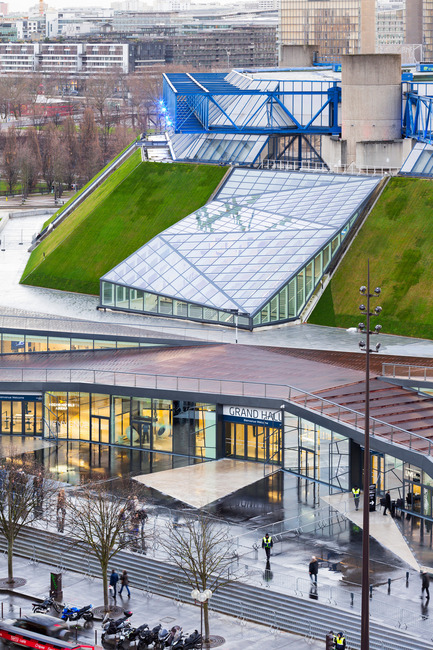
(240, 248)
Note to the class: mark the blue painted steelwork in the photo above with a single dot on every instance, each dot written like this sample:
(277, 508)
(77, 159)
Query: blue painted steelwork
(235, 103)
(418, 116)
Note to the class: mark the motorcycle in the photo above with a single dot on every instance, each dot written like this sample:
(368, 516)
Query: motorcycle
(148, 637)
(190, 642)
(75, 613)
(112, 628)
(131, 636)
(46, 606)
(166, 638)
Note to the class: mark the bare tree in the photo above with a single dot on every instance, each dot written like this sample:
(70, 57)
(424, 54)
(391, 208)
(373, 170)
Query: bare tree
(90, 151)
(23, 490)
(201, 548)
(10, 159)
(97, 523)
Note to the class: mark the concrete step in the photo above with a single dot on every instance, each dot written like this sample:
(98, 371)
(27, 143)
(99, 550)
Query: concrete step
(237, 599)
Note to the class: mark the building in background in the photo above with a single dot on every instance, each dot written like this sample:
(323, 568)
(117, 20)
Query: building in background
(333, 27)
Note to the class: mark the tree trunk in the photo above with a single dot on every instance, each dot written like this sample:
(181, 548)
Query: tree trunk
(105, 587)
(10, 560)
(206, 621)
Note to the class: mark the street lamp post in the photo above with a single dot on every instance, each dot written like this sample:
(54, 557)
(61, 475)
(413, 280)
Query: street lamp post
(237, 313)
(202, 597)
(365, 346)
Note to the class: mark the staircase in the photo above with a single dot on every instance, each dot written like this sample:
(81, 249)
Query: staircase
(308, 618)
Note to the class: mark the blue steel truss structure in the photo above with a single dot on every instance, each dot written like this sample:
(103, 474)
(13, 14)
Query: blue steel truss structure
(418, 115)
(237, 104)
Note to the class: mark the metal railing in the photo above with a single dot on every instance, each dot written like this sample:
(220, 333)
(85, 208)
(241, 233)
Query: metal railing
(404, 371)
(355, 419)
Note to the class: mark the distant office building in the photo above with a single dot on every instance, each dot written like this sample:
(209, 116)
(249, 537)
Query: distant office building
(333, 27)
(4, 8)
(73, 58)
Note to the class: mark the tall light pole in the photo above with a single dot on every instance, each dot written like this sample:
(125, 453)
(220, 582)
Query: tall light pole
(365, 345)
(202, 597)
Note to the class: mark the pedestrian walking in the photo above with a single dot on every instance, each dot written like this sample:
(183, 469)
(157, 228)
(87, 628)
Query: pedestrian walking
(425, 584)
(61, 510)
(267, 544)
(356, 494)
(387, 505)
(114, 579)
(340, 641)
(313, 569)
(124, 581)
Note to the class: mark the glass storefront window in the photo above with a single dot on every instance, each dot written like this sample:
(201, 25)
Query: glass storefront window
(195, 311)
(56, 343)
(104, 345)
(317, 268)
(300, 290)
(326, 256)
(101, 404)
(150, 302)
(274, 308)
(36, 343)
(292, 298)
(308, 279)
(165, 305)
(136, 299)
(122, 421)
(81, 344)
(122, 297)
(13, 343)
(180, 308)
(108, 294)
(162, 411)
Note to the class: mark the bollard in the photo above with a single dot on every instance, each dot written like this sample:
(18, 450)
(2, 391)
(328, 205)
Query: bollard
(407, 578)
(2, 610)
(371, 591)
(76, 633)
(96, 637)
(352, 597)
(389, 585)
(20, 612)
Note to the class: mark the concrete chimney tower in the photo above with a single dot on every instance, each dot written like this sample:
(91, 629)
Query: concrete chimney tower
(368, 26)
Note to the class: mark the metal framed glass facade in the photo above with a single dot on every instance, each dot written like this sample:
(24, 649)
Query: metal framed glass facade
(155, 424)
(24, 342)
(240, 251)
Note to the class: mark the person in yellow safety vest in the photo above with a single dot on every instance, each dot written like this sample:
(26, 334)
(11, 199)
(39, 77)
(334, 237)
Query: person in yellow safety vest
(340, 641)
(267, 544)
(356, 494)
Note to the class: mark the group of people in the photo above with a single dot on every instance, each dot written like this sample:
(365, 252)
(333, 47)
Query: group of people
(337, 641)
(124, 583)
(133, 518)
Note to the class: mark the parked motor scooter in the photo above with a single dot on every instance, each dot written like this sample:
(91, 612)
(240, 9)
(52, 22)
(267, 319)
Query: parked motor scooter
(112, 627)
(148, 637)
(130, 636)
(190, 642)
(75, 613)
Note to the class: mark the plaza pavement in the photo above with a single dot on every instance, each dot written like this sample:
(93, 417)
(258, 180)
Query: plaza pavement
(81, 590)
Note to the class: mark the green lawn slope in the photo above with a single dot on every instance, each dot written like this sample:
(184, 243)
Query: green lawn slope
(397, 238)
(134, 204)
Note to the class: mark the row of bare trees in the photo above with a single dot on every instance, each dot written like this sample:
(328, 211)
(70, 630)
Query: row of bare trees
(198, 545)
(58, 155)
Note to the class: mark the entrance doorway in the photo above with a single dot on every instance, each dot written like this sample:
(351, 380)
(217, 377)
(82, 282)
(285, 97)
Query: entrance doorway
(307, 462)
(21, 417)
(253, 442)
(100, 431)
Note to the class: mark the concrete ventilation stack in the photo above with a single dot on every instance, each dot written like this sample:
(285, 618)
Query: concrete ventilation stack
(371, 111)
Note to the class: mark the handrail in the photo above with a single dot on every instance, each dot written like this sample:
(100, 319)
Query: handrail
(233, 387)
(409, 367)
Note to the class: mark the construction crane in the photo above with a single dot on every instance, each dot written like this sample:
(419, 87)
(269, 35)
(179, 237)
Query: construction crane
(41, 7)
